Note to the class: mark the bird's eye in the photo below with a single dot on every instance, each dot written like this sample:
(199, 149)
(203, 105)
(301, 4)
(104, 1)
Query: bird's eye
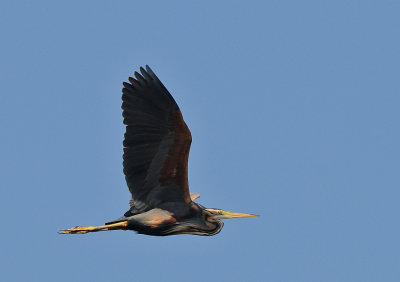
(215, 211)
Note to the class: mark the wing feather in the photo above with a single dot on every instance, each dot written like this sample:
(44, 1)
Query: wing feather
(156, 144)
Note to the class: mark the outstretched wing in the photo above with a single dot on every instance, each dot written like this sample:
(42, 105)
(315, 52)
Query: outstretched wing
(156, 146)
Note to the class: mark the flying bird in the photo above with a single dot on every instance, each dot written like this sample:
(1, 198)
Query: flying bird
(155, 161)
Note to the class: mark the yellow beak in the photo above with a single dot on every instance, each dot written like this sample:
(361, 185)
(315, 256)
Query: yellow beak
(221, 214)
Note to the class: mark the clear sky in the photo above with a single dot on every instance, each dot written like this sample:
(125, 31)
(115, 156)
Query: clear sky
(294, 111)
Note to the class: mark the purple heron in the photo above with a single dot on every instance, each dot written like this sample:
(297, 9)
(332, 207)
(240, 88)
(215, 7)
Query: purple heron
(155, 160)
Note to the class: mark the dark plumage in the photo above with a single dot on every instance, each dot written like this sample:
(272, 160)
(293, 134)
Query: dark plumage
(156, 151)
(156, 146)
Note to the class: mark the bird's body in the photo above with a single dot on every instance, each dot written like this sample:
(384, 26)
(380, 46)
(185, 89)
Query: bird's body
(156, 151)
(160, 222)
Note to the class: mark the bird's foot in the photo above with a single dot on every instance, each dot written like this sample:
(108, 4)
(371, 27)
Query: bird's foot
(85, 229)
(78, 230)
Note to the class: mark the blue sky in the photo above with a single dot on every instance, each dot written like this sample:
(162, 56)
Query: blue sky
(294, 111)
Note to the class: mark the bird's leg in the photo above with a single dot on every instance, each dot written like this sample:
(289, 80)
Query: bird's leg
(85, 229)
